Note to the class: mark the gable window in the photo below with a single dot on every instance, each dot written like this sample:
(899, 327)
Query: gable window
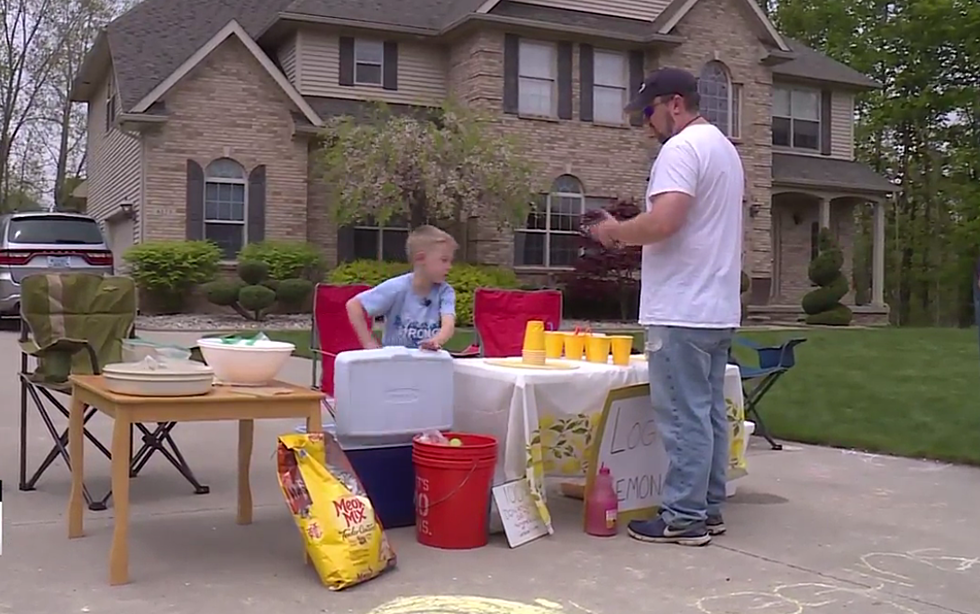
(224, 206)
(368, 62)
(376, 242)
(110, 102)
(609, 87)
(796, 118)
(551, 237)
(538, 68)
(720, 99)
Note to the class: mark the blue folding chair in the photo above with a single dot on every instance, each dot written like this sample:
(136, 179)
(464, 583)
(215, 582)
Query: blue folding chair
(774, 361)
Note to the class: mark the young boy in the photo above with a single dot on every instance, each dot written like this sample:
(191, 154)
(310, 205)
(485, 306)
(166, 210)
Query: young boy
(419, 308)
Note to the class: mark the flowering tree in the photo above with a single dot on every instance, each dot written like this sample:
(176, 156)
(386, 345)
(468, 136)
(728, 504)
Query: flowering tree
(606, 282)
(444, 168)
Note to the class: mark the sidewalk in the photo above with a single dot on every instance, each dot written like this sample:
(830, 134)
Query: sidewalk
(811, 530)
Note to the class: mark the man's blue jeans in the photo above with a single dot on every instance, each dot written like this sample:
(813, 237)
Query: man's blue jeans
(687, 379)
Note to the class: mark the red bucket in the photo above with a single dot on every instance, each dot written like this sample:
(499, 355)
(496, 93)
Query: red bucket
(452, 491)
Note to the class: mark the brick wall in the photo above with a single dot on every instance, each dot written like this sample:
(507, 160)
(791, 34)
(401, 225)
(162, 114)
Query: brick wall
(228, 106)
(610, 161)
(720, 30)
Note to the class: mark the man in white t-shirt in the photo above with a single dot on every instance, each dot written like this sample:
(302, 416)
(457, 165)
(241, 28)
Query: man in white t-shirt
(691, 235)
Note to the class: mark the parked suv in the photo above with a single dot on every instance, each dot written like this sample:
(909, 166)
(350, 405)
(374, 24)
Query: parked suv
(45, 242)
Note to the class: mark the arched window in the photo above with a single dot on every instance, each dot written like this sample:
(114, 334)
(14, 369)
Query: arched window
(225, 185)
(720, 98)
(550, 238)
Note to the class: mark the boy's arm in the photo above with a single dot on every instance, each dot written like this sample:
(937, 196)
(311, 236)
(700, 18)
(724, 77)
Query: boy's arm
(376, 302)
(355, 313)
(447, 317)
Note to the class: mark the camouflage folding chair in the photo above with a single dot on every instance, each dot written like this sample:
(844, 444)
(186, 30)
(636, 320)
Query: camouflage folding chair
(75, 324)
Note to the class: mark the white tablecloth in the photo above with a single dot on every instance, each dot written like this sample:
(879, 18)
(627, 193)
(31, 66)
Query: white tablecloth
(545, 419)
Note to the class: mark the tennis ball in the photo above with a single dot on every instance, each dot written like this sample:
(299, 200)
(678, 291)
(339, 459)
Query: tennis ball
(455, 442)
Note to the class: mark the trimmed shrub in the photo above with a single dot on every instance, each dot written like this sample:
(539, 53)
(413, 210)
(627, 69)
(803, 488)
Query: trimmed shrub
(168, 270)
(254, 295)
(286, 259)
(822, 305)
(605, 284)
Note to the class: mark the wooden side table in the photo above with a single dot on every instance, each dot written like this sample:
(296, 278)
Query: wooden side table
(222, 403)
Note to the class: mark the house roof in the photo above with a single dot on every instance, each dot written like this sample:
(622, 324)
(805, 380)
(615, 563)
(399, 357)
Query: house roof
(827, 173)
(678, 9)
(152, 40)
(815, 66)
(231, 30)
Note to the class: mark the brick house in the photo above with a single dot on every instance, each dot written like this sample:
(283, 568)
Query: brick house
(202, 116)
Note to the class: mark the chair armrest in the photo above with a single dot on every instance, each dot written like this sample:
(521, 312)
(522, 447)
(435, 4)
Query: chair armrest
(65, 346)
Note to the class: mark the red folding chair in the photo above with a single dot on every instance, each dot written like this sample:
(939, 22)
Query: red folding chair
(332, 332)
(500, 317)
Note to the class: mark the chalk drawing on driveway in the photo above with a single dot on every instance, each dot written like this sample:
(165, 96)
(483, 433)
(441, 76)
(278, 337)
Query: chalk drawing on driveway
(801, 598)
(895, 568)
(461, 604)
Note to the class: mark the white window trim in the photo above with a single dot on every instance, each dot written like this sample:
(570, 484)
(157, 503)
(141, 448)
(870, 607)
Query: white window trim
(792, 146)
(548, 231)
(734, 103)
(110, 102)
(380, 230)
(244, 222)
(553, 47)
(624, 87)
(380, 64)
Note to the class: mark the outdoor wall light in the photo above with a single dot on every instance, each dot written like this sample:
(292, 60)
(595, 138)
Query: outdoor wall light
(127, 210)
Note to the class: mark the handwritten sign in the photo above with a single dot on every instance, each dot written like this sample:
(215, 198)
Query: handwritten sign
(518, 513)
(627, 442)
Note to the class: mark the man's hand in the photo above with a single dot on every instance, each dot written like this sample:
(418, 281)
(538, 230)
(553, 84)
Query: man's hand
(603, 229)
(432, 345)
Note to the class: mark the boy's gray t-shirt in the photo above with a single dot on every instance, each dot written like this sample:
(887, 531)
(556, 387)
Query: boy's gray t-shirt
(409, 318)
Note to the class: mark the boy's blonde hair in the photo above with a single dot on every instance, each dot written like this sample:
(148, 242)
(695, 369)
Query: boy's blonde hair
(426, 237)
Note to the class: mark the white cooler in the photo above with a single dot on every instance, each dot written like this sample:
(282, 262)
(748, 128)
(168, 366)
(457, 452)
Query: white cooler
(389, 395)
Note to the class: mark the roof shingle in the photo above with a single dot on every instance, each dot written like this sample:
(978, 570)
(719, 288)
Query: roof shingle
(819, 171)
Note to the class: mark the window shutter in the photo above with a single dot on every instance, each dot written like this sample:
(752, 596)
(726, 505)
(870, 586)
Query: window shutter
(586, 65)
(389, 80)
(512, 52)
(345, 244)
(346, 61)
(826, 133)
(255, 231)
(636, 80)
(564, 80)
(194, 216)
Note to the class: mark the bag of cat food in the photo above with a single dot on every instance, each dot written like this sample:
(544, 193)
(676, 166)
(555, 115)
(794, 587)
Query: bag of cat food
(343, 536)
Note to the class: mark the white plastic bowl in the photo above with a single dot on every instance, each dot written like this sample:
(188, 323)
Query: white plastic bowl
(245, 365)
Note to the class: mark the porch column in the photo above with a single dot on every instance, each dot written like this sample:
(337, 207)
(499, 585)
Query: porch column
(824, 213)
(878, 256)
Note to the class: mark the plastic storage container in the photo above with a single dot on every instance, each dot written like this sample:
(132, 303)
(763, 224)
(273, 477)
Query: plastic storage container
(389, 395)
(388, 476)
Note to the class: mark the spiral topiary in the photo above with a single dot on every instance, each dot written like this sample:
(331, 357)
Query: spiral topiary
(822, 305)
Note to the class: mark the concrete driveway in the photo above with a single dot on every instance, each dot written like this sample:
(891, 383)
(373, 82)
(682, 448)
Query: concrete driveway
(811, 530)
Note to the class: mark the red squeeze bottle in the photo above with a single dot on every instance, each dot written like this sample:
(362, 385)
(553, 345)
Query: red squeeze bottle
(601, 506)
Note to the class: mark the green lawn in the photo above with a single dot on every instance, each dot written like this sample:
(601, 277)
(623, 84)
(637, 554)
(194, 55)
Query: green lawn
(909, 392)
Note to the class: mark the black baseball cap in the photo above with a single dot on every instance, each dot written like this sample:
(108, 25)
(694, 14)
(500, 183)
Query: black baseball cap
(662, 82)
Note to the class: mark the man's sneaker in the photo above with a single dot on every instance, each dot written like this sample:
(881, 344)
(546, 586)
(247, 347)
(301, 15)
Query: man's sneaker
(657, 531)
(715, 525)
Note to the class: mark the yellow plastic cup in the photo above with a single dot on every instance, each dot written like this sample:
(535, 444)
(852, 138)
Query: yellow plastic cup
(534, 336)
(574, 346)
(597, 349)
(621, 346)
(554, 343)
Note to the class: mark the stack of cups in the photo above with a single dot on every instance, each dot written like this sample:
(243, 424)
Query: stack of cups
(534, 347)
